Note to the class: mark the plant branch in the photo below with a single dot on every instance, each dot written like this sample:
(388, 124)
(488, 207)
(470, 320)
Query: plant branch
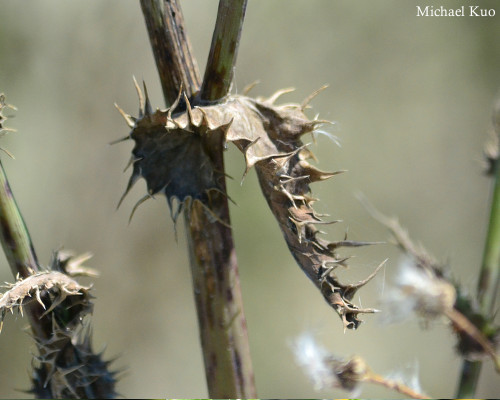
(16, 242)
(462, 323)
(224, 49)
(14, 235)
(394, 385)
(489, 278)
(15, 238)
(171, 48)
(212, 256)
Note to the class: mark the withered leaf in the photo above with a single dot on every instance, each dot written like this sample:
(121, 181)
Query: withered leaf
(173, 153)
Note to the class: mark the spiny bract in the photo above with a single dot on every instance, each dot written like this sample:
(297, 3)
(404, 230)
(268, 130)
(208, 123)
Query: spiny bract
(173, 153)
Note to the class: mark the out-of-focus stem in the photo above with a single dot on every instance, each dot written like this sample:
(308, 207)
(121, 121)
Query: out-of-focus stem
(224, 49)
(217, 291)
(489, 278)
(462, 323)
(469, 378)
(15, 238)
(394, 385)
(17, 246)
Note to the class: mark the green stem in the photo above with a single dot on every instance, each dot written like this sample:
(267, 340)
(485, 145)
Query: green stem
(18, 249)
(489, 278)
(224, 49)
(469, 379)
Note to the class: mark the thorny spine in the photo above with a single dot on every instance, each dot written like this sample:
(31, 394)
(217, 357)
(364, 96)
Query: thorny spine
(269, 137)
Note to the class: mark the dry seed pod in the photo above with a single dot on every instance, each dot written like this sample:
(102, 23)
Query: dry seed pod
(65, 366)
(172, 153)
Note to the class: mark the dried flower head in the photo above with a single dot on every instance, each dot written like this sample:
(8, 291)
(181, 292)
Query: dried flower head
(328, 371)
(312, 358)
(417, 290)
(65, 366)
(423, 286)
(324, 369)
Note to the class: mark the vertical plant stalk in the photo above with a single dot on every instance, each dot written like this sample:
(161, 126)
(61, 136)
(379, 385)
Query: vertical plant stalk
(217, 290)
(171, 48)
(14, 235)
(17, 245)
(224, 49)
(489, 278)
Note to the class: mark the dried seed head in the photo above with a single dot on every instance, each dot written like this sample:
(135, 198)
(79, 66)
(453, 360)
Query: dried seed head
(67, 262)
(66, 366)
(312, 358)
(350, 373)
(417, 290)
(326, 370)
(167, 151)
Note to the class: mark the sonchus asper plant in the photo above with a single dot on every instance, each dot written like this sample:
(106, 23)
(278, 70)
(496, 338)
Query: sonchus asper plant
(58, 308)
(173, 153)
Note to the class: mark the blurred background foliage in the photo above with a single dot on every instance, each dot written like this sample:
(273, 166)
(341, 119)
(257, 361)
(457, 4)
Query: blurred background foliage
(412, 99)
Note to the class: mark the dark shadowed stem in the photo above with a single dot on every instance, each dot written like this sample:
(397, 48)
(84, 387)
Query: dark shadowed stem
(217, 291)
(223, 51)
(489, 278)
(171, 48)
(469, 379)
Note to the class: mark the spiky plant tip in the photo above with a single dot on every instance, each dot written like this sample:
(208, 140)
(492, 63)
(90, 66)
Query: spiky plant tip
(52, 285)
(67, 367)
(3, 118)
(167, 151)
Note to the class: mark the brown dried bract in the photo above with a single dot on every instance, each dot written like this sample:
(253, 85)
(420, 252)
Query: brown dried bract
(30, 288)
(173, 154)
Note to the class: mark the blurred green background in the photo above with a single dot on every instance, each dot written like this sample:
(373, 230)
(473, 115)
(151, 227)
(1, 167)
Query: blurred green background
(412, 98)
